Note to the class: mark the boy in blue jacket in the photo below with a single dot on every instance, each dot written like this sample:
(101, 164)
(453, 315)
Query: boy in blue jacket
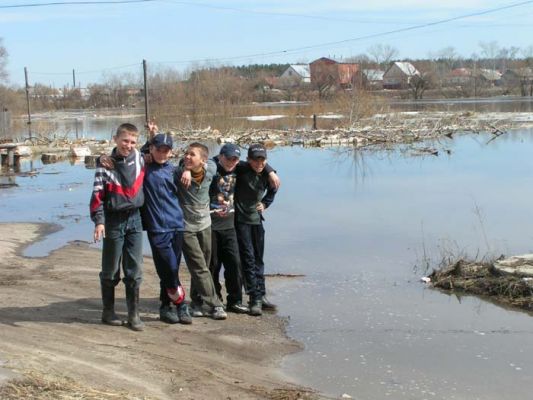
(163, 220)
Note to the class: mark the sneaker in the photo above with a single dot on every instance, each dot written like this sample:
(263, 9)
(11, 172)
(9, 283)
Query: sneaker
(237, 308)
(219, 313)
(267, 305)
(256, 308)
(196, 310)
(167, 314)
(183, 313)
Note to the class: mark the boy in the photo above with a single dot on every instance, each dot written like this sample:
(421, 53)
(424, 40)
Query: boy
(250, 203)
(115, 202)
(224, 239)
(194, 201)
(163, 220)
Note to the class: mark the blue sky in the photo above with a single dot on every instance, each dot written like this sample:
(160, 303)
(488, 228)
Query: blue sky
(96, 40)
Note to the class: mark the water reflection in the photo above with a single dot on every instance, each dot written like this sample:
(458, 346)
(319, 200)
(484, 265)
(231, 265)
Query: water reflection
(358, 226)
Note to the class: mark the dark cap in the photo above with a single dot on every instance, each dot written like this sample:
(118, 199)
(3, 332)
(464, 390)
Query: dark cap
(230, 150)
(162, 139)
(257, 150)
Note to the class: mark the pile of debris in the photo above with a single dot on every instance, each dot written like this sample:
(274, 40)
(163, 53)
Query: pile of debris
(381, 129)
(506, 281)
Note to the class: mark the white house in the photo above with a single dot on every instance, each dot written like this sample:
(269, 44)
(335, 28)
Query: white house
(399, 75)
(295, 74)
(373, 78)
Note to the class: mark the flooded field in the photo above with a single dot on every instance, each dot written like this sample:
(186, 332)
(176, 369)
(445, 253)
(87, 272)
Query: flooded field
(274, 115)
(362, 228)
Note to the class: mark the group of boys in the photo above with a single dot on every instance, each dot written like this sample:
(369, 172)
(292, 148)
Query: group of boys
(211, 210)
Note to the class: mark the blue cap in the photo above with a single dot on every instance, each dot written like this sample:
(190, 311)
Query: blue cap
(257, 150)
(162, 139)
(230, 150)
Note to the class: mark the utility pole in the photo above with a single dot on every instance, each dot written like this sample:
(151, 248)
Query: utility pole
(28, 100)
(146, 108)
(73, 79)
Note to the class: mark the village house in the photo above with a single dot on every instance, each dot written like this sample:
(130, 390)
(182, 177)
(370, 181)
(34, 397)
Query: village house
(373, 79)
(295, 75)
(399, 75)
(459, 77)
(490, 77)
(521, 78)
(326, 72)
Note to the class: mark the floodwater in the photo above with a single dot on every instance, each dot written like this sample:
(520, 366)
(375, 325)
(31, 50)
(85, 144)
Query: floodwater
(268, 115)
(362, 227)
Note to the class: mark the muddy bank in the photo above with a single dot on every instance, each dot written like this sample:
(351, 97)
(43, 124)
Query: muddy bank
(508, 282)
(52, 337)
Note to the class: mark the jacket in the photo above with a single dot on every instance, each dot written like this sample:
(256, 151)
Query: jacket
(119, 189)
(161, 211)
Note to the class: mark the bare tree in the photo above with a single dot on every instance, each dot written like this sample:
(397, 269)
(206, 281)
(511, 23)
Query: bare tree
(490, 51)
(3, 61)
(418, 84)
(527, 53)
(382, 54)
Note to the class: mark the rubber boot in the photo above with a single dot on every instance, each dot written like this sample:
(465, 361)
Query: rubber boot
(108, 299)
(255, 306)
(132, 300)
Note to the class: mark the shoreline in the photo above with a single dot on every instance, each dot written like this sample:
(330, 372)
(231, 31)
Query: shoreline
(52, 334)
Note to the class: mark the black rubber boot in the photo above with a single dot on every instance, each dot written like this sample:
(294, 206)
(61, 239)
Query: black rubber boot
(132, 300)
(108, 299)
(267, 305)
(255, 306)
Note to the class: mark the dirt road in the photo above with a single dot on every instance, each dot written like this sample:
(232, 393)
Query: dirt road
(51, 335)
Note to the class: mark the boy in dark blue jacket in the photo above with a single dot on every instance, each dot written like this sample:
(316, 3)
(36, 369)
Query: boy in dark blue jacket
(163, 220)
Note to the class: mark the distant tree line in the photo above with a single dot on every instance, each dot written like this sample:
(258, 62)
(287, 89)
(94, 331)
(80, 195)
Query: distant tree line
(208, 93)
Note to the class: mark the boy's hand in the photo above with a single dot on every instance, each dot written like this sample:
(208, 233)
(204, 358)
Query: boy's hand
(186, 179)
(274, 181)
(107, 162)
(99, 232)
(152, 128)
(260, 207)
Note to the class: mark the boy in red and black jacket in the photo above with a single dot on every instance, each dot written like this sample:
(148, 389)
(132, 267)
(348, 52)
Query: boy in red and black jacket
(115, 202)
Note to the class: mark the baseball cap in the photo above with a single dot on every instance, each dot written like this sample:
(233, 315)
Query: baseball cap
(162, 139)
(230, 150)
(257, 150)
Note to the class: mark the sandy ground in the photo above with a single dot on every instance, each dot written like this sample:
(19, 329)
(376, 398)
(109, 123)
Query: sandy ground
(50, 328)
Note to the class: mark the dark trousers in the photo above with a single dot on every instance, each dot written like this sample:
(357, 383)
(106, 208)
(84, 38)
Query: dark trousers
(225, 251)
(251, 240)
(166, 252)
(122, 244)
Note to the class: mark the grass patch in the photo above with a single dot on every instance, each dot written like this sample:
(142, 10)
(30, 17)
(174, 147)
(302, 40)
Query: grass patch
(36, 386)
(483, 279)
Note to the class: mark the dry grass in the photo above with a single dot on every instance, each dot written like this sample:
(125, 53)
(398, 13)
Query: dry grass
(36, 386)
(482, 279)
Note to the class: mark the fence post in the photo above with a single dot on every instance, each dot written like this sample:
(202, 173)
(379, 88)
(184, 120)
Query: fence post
(28, 99)
(146, 105)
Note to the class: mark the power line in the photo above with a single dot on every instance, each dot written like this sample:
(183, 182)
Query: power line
(360, 38)
(71, 3)
(283, 14)
(89, 71)
(286, 51)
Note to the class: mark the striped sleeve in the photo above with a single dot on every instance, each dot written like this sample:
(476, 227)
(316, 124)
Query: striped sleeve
(98, 195)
